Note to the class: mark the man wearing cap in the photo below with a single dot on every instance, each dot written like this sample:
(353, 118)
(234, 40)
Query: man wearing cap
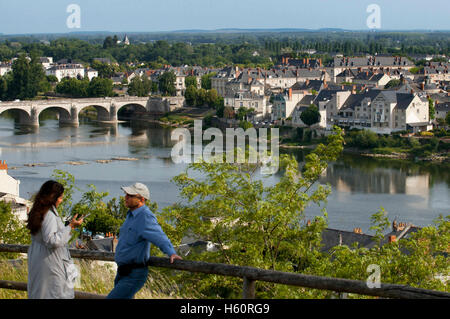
(138, 232)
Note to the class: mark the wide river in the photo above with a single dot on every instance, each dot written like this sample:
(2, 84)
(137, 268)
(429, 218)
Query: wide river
(411, 192)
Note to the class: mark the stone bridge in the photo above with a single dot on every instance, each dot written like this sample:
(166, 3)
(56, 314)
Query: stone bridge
(107, 108)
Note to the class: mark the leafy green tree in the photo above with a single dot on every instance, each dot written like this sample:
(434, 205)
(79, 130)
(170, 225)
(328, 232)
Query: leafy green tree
(109, 43)
(139, 86)
(206, 80)
(99, 87)
(251, 224)
(447, 119)
(105, 217)
(68, 181)
(4, 87)
(392, 83)
(73, 87)
(167, 83)
(190, 80)
(212, 97)
(191, 95)
(104, 69)
(202, 96)
(311, 115)
(52, 79)
(13, 230)
(20, 85)
(431, 109)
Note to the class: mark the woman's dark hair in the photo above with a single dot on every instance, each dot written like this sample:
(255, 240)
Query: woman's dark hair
(46, 197)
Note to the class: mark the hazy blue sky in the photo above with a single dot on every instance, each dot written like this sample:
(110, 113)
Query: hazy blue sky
(45, 16)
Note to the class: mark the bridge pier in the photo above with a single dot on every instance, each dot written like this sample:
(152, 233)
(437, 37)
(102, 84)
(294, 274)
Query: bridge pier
(31, 120)
(69, 119)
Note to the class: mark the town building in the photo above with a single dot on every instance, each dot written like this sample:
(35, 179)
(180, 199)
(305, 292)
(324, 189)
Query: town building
(9, 192)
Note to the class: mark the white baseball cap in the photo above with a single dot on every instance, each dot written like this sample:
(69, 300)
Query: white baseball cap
(137, 189)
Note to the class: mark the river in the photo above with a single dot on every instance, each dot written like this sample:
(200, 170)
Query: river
(411, 192)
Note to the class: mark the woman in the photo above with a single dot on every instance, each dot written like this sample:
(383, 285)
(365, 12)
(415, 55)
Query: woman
(50, 269)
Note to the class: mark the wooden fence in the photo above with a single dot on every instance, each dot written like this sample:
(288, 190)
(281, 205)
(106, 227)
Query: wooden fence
(249, 275)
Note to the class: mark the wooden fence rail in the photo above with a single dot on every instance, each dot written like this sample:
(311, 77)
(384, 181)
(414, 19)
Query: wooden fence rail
(250, 275)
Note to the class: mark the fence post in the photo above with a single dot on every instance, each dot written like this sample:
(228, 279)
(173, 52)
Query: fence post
(248, 291)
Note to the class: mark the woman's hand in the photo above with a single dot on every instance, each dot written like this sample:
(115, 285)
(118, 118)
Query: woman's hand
(74, 223)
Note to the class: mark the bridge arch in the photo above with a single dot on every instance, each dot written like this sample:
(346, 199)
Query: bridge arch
(131, 110)
(102, 113)
(64, 115)
(21, 115)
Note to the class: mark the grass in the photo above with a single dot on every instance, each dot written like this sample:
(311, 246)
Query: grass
(96, 277)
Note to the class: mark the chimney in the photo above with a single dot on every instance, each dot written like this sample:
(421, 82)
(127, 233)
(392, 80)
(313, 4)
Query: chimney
(290, 94)
(392, 238)
(422, 86)
(320, 62)
(307, 82)
(357, 230)
(304, 62)
(354, 89)
(342, 87)
(308, 223)
(282, 60)
(3, 165)
(287, 60)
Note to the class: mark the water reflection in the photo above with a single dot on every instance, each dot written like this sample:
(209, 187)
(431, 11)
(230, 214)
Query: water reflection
(360, 185)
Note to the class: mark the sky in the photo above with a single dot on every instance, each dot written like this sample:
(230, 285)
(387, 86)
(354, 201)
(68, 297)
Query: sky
(50, 16)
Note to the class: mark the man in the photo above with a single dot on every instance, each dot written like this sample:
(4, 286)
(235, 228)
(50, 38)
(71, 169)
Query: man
(138, 232)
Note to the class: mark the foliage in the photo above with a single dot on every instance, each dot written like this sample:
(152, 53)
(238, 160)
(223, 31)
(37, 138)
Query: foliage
(392, 83)
(190, 80)
(25, 81)
(68, 181)
(167, 83)
(105, 216)
(431, 109)
(311, 115)
(13, 231)
(251, 224)
(206, 80)
(139, 86)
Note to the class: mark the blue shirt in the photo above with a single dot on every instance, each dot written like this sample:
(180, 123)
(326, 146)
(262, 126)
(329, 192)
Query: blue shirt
(138, 232)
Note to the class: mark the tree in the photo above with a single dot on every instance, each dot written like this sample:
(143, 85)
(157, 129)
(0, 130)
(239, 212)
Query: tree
(202, 96)
(19, 87)
(167, 83)
(447, 119)
(311, 115)
(191, 95)
(73, 87)
(139, 86)
(105, 217)
(99, 87)
(206, 80)
(251, 224)
(13, 230)
(431, 109)
(104, 69)
(3, 87)
(109, 43)
(392, 83)
(190, 80)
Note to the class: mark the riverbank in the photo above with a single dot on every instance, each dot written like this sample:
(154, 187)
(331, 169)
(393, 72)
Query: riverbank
(436, 157)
